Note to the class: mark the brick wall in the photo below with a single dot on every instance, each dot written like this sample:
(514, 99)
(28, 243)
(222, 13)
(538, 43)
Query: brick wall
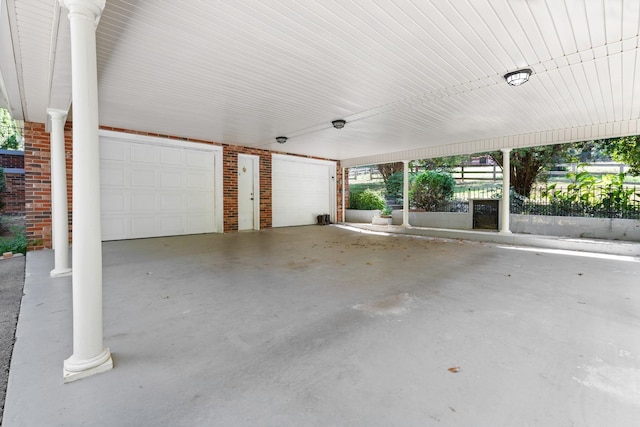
(38, 180)
(13, 197)
(11, 159)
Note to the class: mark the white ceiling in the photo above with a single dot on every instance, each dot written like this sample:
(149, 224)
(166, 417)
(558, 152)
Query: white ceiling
(412, 78)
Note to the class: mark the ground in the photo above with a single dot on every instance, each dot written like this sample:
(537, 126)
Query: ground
(321, 326)
(11, 283)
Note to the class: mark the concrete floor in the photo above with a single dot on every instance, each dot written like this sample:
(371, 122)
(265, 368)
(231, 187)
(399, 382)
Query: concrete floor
(325, 326)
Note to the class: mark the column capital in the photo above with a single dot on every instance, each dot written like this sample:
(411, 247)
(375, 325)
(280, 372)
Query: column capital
(506, 150)
(91, 9)
(56, 114)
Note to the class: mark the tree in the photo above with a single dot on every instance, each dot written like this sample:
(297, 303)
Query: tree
(388, 169)
(528, 163)
(624, 150)
(8, 132)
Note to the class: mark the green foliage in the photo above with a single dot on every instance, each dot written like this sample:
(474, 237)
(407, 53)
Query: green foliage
(624, 150)
(8, 132)
(386, 211)
(366, 200)
(431, 189)
(586, 196)
(528, 163)
(395, 185)
(18, 243)
(442, 163)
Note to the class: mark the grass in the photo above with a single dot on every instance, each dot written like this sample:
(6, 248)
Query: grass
(16, 243)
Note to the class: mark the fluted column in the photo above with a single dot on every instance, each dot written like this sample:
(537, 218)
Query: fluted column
(506, 185)
(59, 194)
(405, 195)
(89, 353)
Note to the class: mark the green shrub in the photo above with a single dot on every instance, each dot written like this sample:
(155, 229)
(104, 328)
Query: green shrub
(17, 243)
(395, 185)
(366, 200)
(431, 189)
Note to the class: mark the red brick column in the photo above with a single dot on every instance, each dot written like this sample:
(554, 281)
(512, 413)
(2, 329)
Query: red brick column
(37, 185)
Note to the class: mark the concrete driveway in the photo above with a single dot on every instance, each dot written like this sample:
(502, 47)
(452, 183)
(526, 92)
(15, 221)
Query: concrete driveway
(325, 326)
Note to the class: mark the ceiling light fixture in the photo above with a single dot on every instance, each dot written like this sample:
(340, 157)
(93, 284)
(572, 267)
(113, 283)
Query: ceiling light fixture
(338, 124)
(516, 78)
(281, 139)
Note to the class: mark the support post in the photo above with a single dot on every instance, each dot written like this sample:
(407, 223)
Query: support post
(405, 195)
(60, 211)
(344, 170)
(506, 185)
(89, 353)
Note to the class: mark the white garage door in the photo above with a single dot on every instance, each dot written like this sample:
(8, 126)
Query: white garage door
(302, 189)
(154, 187)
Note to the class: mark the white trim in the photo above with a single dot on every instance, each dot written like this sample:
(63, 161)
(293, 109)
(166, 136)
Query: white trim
(255, 160)
(301, 159)
(157, 140)
(558, 136)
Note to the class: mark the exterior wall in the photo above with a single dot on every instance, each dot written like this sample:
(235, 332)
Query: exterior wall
(361, 216)
(12, 163)
(10, 159)
(38, 180)
(596, 228)
(451, 220)
(230, 185)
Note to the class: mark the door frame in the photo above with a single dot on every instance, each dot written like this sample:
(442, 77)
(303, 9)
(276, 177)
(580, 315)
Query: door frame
(255, 163)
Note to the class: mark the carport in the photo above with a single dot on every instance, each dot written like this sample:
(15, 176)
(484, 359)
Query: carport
(322, 326)
(235, 97)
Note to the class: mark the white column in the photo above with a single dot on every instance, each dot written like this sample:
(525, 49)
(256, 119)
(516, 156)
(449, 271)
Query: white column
(506, 184)
(59, 209)
(89, 353)
(405, 195)
(343, 194)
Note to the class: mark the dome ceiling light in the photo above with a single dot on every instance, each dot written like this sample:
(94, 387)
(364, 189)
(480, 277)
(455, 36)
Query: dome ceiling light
(516, 78)
(338, 124)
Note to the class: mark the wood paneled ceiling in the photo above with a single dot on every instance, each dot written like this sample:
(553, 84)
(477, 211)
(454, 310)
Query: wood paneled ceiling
(411, 78)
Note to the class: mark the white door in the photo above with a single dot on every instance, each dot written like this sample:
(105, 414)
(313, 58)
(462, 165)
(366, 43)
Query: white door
(154, 187)
(248, 193)
(302, 189)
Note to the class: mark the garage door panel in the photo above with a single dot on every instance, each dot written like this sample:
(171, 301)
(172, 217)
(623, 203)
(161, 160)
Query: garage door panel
(172, 178)
(143, 226)
(113, 201)
(171, 156)
(170, 201)
(143, 177)
(143, 153)
(302, 190)
(151, 189)
(142, 201)
(118, 226)
(172, 224)
(199, 159)
(115, 150)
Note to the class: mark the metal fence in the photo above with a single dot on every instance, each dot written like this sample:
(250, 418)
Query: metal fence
(594, 202)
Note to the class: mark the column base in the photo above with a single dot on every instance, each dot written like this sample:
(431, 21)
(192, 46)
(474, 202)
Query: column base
(76, 370)
(505, 232)
(60, 272)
